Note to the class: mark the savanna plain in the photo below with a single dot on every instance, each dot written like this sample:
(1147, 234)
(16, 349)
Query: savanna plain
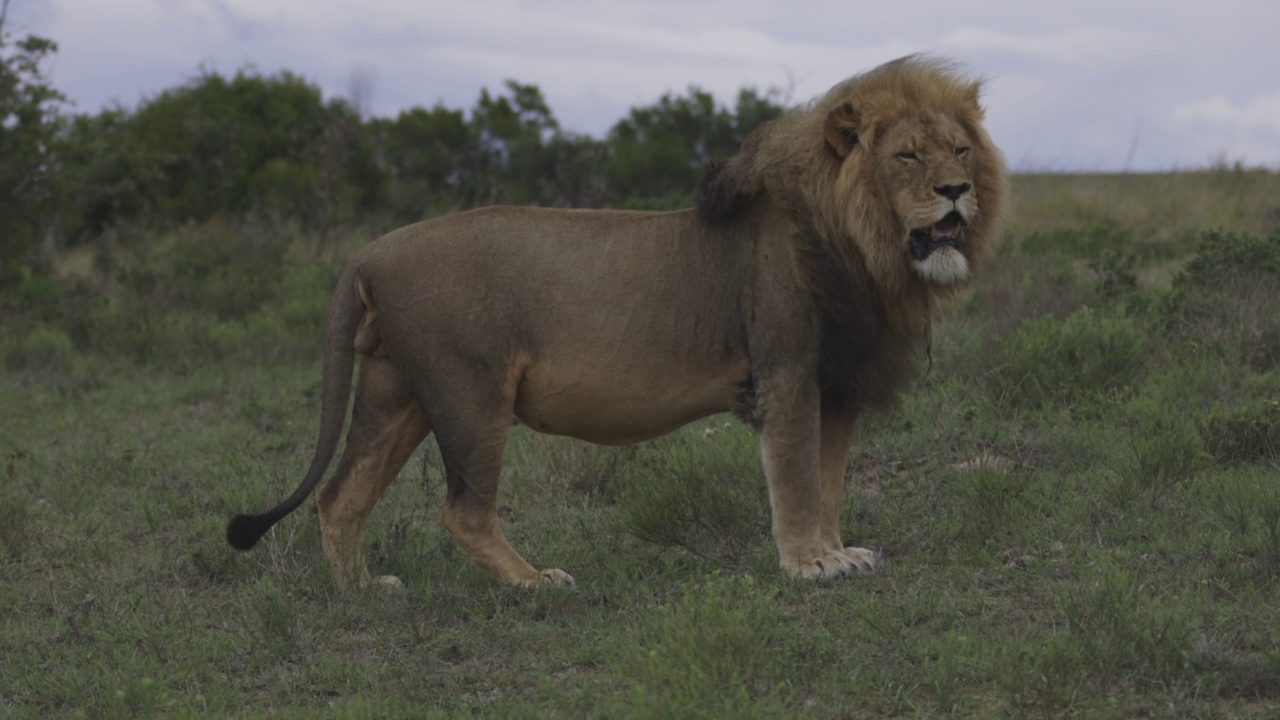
(1078, 504)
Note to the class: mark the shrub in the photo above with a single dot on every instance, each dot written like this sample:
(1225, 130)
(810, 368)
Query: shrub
(225, 271)
(1247, 434)
(39, 296)
(212, 291)
(1224, 299)
(1246, 503)
(305, 293)
(46, 348)
(1075, 359)
(1111, 253)
(1163, 445)
(1226, 256)
(703, 492)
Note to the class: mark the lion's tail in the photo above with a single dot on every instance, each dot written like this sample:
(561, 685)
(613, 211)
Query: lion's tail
(244, 531)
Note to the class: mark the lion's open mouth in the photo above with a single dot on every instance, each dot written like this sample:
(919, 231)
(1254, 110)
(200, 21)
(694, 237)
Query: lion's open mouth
(949, 231)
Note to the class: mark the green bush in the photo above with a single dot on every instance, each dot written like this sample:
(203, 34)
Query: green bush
(701, 491)
(43, 348)
(224, 271)
(40, 296)
(1223, 257)
(212, 291)
(1110, 252)
(1163, 445)
(212, 268)
(1246, 504)
(1247, 434)
(1072, 360)
(1224, 299)
(305, 293)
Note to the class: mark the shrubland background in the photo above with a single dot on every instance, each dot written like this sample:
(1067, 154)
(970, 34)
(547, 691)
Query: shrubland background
(1079, 503)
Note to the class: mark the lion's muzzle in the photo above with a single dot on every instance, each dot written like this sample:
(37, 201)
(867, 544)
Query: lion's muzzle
(947, 232)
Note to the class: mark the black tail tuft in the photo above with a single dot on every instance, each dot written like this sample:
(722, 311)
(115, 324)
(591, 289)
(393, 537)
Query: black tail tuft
(244, 531)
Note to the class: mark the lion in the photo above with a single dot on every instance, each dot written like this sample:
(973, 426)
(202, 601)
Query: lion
(798, 294)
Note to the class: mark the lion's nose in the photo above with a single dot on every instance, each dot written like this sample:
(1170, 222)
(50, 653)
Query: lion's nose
(952, 192)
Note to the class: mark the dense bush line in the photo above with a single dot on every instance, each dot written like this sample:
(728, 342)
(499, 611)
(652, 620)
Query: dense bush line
(271, 149)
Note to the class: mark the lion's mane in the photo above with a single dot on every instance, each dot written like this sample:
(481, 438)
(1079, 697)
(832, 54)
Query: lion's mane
(875, 314)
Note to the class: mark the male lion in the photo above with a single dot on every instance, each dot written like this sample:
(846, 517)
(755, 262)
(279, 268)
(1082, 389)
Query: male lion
(798, 294)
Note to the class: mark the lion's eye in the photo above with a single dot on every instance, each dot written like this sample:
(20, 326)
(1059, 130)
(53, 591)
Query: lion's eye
(909, 156)
(962, 151)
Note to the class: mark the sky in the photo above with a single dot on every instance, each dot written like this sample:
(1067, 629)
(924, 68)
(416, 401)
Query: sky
(1071, 85)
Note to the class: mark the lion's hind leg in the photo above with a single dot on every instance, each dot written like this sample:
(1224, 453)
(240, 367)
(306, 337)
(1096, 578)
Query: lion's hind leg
(472, 435)
(387, 425)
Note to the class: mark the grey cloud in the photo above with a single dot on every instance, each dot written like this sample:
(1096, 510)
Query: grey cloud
(1087, 85)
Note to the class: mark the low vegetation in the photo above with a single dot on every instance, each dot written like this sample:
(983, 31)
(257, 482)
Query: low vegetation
(1078, 506)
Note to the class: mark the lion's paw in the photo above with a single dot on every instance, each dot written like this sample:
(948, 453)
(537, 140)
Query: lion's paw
(551, 577)
(388, 583)
(847, 562)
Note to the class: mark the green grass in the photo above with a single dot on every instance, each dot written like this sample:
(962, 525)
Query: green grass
(1079, 508)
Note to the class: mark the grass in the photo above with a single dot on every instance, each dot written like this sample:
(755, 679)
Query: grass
(1079, 506)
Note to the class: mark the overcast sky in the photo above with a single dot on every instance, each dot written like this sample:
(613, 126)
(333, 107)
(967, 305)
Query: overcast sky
(1072, 84)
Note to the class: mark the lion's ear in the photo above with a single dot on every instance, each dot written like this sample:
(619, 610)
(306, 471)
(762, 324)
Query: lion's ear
(841, 129)
(971, 95)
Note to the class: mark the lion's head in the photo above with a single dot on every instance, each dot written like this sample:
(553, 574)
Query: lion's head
(892, 167)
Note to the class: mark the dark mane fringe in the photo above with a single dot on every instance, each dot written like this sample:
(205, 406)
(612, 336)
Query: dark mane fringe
(728, 187)
(720, 196)
(865, 360)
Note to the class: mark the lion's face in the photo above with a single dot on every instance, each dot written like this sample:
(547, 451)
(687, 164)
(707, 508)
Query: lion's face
(926, 166)
(906, 186)
(919, 184)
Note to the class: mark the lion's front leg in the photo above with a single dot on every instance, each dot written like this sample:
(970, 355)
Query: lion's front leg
(803, 489)
(836, 435)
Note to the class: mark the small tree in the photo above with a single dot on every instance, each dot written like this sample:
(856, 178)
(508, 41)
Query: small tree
(424, 153)
(245, 145)
(28, 122)
(659, 151)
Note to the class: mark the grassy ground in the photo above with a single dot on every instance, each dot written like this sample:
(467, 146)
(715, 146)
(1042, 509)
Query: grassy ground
(1079, 506)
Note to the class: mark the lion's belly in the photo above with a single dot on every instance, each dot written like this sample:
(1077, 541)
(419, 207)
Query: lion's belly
(623, 407)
